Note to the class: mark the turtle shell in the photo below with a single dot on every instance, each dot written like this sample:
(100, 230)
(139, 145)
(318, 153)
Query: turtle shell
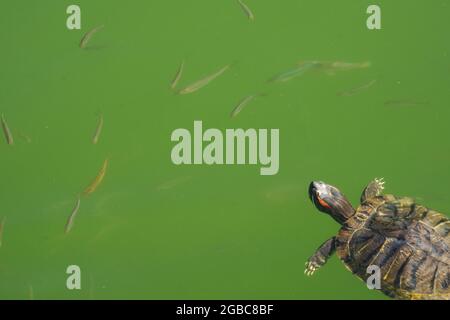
(408, 242)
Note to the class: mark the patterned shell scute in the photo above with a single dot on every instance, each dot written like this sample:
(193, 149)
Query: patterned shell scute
(408, 242)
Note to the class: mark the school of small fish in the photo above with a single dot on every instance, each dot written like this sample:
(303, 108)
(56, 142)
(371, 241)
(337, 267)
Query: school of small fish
(300, 69)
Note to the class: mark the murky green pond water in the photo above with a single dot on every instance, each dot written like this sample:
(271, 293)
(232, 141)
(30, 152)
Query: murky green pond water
(154, 230)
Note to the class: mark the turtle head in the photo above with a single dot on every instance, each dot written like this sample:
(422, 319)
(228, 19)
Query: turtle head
(330, 200)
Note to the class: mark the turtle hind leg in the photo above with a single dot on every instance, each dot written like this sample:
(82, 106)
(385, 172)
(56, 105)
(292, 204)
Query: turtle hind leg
(373, 189)
(320, 257)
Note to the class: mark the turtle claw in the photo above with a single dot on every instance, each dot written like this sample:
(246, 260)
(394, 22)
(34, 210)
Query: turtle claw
(380, 182)
(311, 267)
(320, 257)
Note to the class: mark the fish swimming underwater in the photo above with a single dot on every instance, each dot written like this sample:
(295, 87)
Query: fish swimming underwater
(203, 82)
(8, 135)
(88, 35)
(98, 179)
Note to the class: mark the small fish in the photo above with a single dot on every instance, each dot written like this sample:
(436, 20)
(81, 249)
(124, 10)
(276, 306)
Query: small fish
(84, 41)
(405, 102)
(98, 130)
(2, 226)
(25, 137)
(356, 90)
(202, 82)
(98, 179)
(332, 67)
(177, 76)
(72, 216)
(349, 65)
(173, 183)
(6, 131)
(241, 105)
(247, 10)
(293, 73)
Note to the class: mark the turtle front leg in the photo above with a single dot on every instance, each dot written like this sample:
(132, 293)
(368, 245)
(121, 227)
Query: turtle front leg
(320, 257)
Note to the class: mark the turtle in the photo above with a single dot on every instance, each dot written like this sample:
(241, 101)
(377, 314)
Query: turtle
(407, 242)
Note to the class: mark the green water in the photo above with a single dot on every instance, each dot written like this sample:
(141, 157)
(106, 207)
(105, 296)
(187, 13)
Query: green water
(153, 230)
